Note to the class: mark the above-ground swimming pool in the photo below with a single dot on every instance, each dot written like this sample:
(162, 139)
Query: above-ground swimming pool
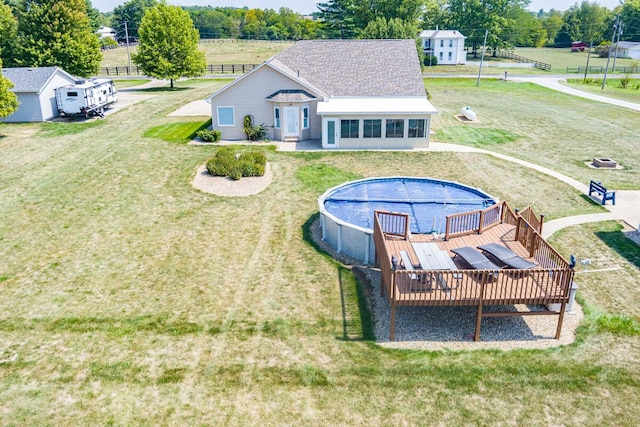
(346, 211)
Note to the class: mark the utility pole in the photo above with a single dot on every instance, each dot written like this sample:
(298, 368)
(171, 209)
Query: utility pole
(613, 39)
(586, 70)
(615, 52)
(484, 44)
(126, 32)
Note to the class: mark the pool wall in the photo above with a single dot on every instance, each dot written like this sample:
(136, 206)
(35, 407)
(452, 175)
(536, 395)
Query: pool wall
(355, 241)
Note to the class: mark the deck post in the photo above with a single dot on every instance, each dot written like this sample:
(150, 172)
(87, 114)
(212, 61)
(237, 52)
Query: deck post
(480, 225)
(534, 243)
(541, 222)
(476, 335)
(392, 327)
(563, 306)
(517, 238)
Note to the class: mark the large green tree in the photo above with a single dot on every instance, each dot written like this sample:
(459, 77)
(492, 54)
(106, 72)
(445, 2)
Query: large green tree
(337, 17)
(57, 33)
(630, 16)
(131, 13)
(169, 44)
(8, 31)
(588, 22)
(8, 99)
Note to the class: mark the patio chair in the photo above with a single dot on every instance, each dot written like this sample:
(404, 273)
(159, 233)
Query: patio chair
(507, 256)
(474, 258)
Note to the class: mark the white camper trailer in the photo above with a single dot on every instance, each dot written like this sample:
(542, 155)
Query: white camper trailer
(86, 97)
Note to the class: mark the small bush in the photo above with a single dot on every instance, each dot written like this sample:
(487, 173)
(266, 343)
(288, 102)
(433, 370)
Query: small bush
(430, 60)
(254, 133)
(209, 135)
(227, 162)
(625, 82)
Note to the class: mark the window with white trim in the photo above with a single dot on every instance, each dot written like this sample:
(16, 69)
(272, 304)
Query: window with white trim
(449, 56)
(395, 128)
(450, 43)
(417, 128)
(305, 117)
(441, 43)
(226, 116)
(349, 128)
(276, 117)
(440, 56)
(372, 128)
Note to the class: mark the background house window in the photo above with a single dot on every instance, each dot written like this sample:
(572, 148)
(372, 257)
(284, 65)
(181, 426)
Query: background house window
(372, 128)
(305, 118)
(276, 117)
(441, 43)
(450, 43)
(417, 128)
(395, 128)
(349, 128)
(449, 56)
(440, 58)
(226, 116)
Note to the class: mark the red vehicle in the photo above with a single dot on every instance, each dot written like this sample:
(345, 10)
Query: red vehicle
(578, 46)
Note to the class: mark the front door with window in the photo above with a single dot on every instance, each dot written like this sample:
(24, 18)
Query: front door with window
(291, 121)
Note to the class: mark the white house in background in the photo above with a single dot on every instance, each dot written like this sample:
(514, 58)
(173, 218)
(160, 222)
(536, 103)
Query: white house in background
(628, 50)
(35, 89)
(104, 32)
(345, 93)
(446, 45)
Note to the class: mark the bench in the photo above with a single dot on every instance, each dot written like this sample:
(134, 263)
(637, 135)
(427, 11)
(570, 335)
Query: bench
(597, 187)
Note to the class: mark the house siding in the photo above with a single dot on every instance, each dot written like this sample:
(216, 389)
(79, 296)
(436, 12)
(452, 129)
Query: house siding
(249, 97)
(40, 107)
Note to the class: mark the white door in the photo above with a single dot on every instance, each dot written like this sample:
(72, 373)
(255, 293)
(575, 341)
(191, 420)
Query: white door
(291, 121)
(330, 133)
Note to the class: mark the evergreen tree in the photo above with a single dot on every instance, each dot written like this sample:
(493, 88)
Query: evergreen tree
(57, 33)
(169, 44)
(338, 18)
(8, 99)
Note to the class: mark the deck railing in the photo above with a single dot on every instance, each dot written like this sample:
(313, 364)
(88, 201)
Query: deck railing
(393, 223)
(473, 222)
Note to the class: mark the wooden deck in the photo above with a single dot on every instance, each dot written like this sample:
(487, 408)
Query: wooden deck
(548, 283)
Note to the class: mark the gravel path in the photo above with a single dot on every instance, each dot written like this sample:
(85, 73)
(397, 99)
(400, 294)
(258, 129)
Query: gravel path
(224, 186)
(452, 328)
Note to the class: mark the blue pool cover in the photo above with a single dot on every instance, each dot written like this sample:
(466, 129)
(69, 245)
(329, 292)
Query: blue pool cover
(427, 201)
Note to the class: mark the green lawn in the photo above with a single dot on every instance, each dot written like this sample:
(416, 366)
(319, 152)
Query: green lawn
(613, 88)
(540, 125)
(219, 51)
(561, 58)
(127, 297)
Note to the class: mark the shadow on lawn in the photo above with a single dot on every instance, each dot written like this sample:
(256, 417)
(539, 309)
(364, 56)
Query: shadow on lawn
(624, 246)
(164, 89)
(357, 321)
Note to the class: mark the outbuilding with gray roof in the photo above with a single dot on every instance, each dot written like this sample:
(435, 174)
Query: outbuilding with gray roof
(35, 89)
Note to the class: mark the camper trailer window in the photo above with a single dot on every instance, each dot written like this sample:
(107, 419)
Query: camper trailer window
(72, 93)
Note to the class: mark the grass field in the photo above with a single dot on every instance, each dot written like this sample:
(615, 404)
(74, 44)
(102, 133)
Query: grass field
(540, 125)
(561, 58)
(612, 88)
(127, 297)
(220, 51)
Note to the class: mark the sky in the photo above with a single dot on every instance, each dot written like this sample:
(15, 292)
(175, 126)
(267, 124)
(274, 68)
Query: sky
(308, 6)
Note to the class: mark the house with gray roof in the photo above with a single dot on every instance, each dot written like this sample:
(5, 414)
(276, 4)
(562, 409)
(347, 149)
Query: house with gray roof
(446, 45)
(343, 93)
(35, 89)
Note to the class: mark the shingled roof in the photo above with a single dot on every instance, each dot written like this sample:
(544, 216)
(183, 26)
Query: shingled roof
(26, 79)
(355, 67)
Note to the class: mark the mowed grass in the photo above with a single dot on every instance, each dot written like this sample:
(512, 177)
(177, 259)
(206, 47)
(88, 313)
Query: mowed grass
(612, 89)
(179, 132)
(540, 125)
(219, 51)
(562, 58)
(128, 297)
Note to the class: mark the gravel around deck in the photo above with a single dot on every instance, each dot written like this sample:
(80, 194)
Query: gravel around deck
(452, 328)
(225, 186)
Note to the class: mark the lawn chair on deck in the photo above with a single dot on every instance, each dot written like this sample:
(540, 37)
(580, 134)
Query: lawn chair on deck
(507, 256)
(475, 259)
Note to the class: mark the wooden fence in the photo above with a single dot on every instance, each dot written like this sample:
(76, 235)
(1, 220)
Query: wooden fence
(473, 222)
(134, 70)
(537, 64)
(600, 70)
